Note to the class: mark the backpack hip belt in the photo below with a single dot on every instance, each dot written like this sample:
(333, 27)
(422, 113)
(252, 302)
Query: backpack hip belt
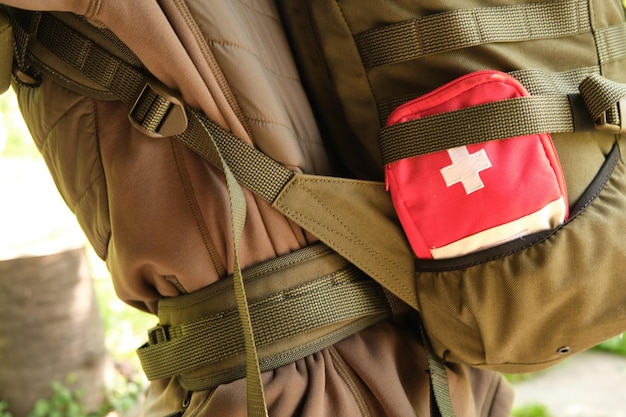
(300, 303)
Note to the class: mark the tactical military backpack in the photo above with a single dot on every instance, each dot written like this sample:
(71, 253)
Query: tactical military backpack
(531, 302)
(519, 306)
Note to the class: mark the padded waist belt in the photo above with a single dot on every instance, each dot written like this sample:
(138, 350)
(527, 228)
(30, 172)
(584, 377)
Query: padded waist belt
(300, 303)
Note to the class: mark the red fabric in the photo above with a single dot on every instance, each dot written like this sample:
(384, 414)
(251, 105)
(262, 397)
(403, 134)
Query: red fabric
(514, 177)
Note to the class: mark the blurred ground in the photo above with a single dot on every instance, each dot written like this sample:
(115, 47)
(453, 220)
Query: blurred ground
(590, 384)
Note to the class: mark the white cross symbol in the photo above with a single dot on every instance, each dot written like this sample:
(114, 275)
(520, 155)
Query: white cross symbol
(465, 168)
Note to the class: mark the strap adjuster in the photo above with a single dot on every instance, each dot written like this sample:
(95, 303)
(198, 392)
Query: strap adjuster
(615, 123)
(158, 111)
(158, 334)
(606, 102)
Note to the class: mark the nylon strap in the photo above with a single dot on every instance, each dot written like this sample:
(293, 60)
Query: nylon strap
(604, 100)
(471, 27)
(496, 120)
(440, 400)
(601, 96)
(341, 296)
(537, 82)
(610, 43)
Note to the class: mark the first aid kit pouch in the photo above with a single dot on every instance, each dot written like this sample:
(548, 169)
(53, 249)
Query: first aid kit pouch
(462, 200)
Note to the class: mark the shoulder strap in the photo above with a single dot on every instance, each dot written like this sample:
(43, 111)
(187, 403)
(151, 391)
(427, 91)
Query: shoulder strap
(158, 113)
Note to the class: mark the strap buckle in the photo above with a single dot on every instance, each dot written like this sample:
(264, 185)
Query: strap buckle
(158, 334)
(613, 124)
(158, 111)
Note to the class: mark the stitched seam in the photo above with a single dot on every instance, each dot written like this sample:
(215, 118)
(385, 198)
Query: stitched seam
(267, 122)
(369, 83)
(244, 48)
(94, 8)
(44, 143)
(195, 209)
(355, 239)
(342, 369)
(258, 11)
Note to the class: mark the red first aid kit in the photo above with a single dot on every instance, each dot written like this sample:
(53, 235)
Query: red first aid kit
(473, 197)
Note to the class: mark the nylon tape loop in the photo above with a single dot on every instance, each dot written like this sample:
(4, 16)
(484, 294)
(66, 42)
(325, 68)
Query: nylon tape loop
(611, 43)
(495, 120)
(471, 27)
(606, 102)
(6, 52)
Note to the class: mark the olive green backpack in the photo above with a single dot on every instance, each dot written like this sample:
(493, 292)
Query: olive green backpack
(529, 303)
(518, 307)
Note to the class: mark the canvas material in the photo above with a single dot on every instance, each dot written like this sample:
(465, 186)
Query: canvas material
(466, 199)
(106, 172)
(487, 310)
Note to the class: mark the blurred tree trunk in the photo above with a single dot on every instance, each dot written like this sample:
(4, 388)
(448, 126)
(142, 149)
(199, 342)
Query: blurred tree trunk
(50, 327)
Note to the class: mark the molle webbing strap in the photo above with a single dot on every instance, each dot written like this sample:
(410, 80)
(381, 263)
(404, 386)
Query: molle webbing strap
(600, 96)
(610, 43)
(471, 27)
(291, 298)
(536, 81)
(604, 100)
(539, 82)
(491, 121)
(53, 42)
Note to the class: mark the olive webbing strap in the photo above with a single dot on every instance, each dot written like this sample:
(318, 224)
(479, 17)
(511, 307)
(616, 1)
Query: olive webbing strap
(601, 95)
(536, 81)
(255, 395)
(206, 340)
(495, 120)
(546, 83)
(610, 42)
(464, 28)
(440, 400)
(605, 103)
